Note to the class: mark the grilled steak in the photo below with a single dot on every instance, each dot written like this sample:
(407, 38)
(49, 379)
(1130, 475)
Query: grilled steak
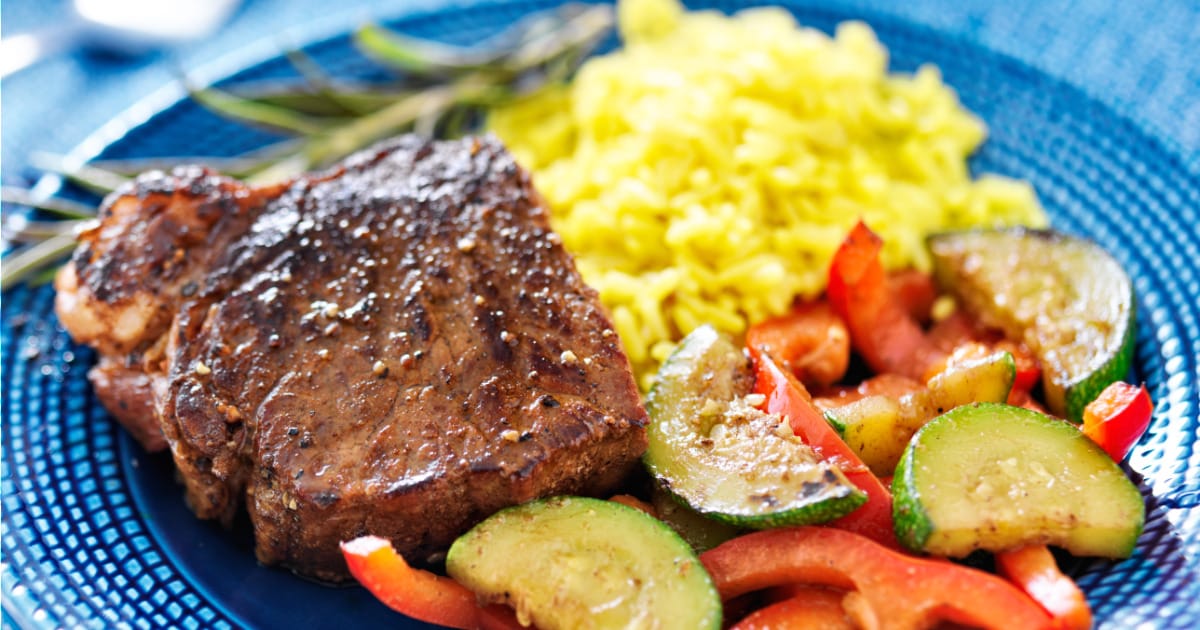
(400, 347)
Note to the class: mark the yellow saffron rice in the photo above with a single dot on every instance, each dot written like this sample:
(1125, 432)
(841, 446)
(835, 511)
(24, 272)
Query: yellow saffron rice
(707, 171)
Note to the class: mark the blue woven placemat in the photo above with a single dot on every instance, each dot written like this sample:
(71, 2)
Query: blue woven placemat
(1137, 57)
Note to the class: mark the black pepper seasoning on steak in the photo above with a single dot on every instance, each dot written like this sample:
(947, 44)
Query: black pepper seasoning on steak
(399, 347)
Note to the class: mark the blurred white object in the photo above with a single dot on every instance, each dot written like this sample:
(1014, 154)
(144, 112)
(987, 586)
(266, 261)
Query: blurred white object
(122, 26)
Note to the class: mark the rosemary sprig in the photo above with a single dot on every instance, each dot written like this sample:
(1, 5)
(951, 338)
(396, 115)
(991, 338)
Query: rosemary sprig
(320, 83)
(440, 90)
(33, 259)
(88, 177)
(338, 102)
(259, 113)
(511, 51)
(55, 205)
(416, 56)
(19, 229)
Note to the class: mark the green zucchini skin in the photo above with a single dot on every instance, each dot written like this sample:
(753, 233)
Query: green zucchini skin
(710, 447)
(701, 532)
(996, 477)
(1065, 297)
(574, 562)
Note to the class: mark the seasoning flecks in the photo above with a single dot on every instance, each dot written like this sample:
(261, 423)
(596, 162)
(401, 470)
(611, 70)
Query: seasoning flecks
(230, 412)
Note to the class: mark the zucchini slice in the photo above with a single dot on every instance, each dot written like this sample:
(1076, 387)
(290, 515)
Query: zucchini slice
(878, 428)
(699, 531)
(710, 446)
(1065, 297)
(871, 426)
(996, 477)
(572, 562)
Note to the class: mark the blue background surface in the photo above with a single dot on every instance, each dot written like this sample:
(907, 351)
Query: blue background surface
(1137, 59)
(1140, 58)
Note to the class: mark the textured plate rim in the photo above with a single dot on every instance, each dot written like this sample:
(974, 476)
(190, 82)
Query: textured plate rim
(20, 607)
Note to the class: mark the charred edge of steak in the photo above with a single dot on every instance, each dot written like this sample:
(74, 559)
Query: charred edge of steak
(148, 229)
(372, 349)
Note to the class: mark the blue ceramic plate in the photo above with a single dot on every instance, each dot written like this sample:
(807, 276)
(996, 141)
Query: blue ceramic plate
(95, 532)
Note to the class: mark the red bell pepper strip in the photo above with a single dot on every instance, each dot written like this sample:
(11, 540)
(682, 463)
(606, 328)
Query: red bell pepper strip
(881, 329)
(962, 339)
(499, 617)
(1029, 369)
(1022, 398)
(893, 386)
(808, 608)
(629, 500)
(420, 594)
(811, 341)
(897, 592)
(952, 331)
(788, 398)
(1034, 570)
(916, 291)
(1117, 418)
(777, 594)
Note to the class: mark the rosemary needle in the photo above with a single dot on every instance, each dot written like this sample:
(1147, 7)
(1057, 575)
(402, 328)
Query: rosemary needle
(88, 177)
(28, 261)
(62, 207)
(257, 113)
(19, 229)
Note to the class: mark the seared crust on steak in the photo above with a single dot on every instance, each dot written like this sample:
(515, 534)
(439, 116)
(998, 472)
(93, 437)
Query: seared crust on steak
(398, 347)
(153, 242)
